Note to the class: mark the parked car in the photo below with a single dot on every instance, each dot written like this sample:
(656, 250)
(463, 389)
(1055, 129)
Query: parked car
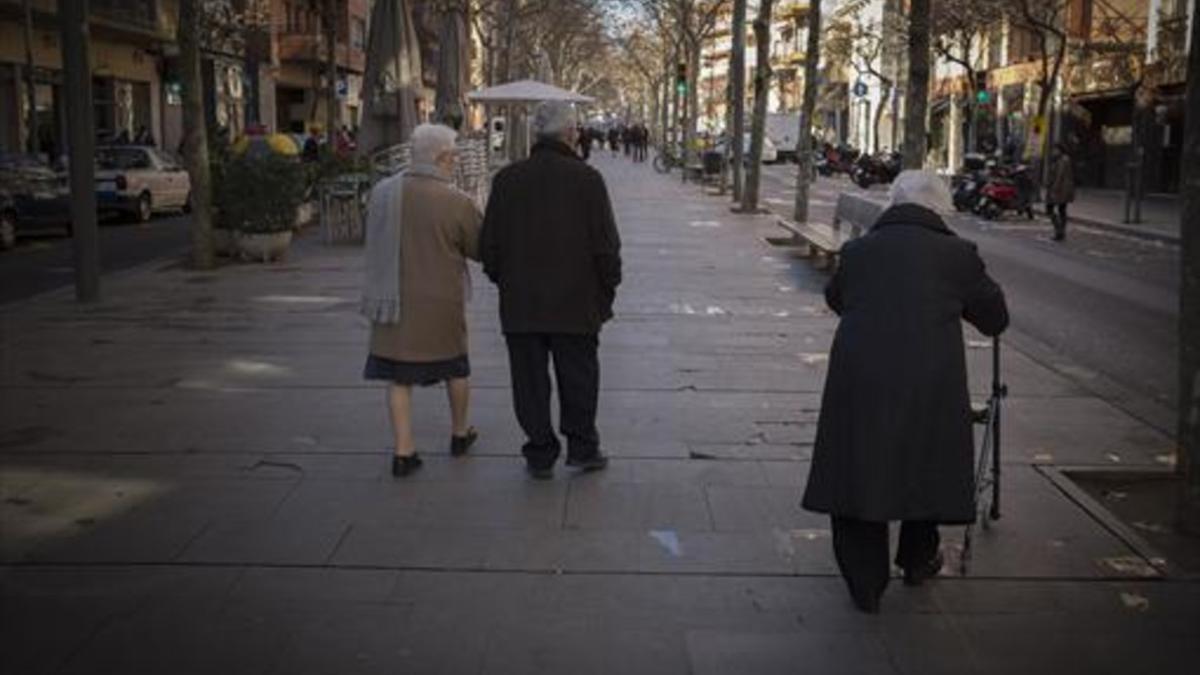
(32, 198)
(139, 181)
(769, 154)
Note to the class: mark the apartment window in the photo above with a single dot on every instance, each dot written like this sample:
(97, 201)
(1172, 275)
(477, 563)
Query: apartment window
(358, 33)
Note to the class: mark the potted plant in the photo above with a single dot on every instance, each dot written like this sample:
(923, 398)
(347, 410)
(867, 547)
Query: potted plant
(258, 199)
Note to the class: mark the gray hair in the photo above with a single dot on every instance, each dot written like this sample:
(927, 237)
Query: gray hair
(923, 188)
(431, 141)
(552, 119)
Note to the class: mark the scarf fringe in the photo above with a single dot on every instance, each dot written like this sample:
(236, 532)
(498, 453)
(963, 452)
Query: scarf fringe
(381, 311)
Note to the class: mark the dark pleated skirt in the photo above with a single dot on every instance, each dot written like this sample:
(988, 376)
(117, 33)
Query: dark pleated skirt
(423, 373)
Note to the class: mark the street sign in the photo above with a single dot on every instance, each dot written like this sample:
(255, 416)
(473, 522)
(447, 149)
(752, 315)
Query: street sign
(860, 88)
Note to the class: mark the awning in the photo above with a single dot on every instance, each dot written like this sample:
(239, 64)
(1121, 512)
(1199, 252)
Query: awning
(525, 91)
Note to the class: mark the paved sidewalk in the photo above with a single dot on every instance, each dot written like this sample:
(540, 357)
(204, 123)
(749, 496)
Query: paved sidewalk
(1105, 209)
(193, 478)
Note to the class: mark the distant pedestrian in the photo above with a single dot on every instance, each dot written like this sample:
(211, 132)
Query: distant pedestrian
(420, 233)
(627, 140)
(550, 243)
(144, 137)
(614, 140)
(894, 439)
(584, 140)
(1061, 190)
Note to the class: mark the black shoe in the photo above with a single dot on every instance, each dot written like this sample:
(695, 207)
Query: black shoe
(459, 445)
(595, 462)
(540, 472)
(918, 575)
(867, 605)
(404, 465)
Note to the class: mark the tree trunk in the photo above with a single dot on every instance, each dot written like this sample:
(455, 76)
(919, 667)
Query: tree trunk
(804, 149)
(762, 90)
(81, 130)
(692, 100)
(331, 74)
(1189, 300)
(31, 137)
(195, 139)
(885, 93)
(916, 100)
(737, 78)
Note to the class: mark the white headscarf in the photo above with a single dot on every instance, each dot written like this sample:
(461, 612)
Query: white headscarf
(923, 188)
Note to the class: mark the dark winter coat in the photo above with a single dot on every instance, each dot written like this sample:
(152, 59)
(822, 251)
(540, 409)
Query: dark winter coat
(894, 438)
(1061, 189)
(550, 242)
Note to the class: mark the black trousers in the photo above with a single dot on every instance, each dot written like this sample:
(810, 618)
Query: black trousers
(577, 371)
(861, 548)
(1058, 216)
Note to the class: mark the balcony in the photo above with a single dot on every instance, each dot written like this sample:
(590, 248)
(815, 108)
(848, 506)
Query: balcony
(141, 14)
(301, 48)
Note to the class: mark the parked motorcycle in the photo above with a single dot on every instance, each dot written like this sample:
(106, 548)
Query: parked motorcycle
(968, 182)
(879, 168)
(1009, 189)
(833, 160)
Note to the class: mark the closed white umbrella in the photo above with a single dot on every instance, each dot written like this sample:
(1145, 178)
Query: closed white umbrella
(393, 77)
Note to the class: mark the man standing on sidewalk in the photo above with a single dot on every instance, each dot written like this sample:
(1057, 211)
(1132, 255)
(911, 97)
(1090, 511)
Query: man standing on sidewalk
(550, 243)
(1061, 190)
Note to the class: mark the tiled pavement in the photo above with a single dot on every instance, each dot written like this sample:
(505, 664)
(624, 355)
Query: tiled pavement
(193, 479)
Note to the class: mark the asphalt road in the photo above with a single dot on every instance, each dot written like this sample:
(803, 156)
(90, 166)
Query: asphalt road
(1107, 303)
(45, 262)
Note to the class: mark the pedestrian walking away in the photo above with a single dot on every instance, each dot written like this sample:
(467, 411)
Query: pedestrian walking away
(894, 437)
(420, 232)
(584, 141)
(550, 244)
(1061, 190)
(614, 141)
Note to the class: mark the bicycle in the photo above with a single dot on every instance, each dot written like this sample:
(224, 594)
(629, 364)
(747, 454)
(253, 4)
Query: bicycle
(987, 468)
(668, 158)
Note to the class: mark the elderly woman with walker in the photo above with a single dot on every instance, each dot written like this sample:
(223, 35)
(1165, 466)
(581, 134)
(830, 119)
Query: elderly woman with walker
(894, 438)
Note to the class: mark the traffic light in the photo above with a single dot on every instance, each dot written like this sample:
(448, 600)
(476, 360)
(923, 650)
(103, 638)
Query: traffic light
(681, 78)
(982, 95)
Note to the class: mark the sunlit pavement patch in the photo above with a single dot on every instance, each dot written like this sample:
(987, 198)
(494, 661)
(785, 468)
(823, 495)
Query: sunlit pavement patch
(704, 223)
(1129, 565)
(669, 540)
(814, 359)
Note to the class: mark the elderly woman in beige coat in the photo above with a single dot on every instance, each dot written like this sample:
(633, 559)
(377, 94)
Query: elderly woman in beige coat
(420, 232)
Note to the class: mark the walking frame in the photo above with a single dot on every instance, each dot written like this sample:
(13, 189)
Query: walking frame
(987, 469)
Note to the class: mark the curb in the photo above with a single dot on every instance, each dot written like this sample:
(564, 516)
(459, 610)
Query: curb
(1128, 230)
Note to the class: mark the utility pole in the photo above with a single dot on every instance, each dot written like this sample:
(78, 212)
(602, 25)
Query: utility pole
(804, 149)
(737, 79)
(917, 101)
(77, 78)
(1189, 297)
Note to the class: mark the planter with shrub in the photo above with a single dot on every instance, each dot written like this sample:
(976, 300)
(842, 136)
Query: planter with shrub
(258, 199)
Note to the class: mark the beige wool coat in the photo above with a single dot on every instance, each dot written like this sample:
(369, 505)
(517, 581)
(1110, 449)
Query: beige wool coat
(440, 232)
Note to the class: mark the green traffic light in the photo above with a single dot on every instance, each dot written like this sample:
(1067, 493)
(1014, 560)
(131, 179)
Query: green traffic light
(982, 96)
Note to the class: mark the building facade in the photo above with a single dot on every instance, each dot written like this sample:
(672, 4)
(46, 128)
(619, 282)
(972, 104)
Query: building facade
(788, 45)
(299, 52)
(130, 39)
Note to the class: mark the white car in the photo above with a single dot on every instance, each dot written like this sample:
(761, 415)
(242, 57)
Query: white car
(769, 153)
(140, 181)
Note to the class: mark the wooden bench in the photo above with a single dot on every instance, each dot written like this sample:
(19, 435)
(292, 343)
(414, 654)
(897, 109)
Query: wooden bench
(857, 211)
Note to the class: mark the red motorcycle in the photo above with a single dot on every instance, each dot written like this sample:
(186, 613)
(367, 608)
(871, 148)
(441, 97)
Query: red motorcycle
(1007, 190)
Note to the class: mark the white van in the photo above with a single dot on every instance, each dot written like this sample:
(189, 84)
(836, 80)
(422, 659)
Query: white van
(784, 131)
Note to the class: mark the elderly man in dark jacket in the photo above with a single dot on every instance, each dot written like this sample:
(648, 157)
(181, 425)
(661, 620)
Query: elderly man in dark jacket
(894, 439)
(550, 242)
